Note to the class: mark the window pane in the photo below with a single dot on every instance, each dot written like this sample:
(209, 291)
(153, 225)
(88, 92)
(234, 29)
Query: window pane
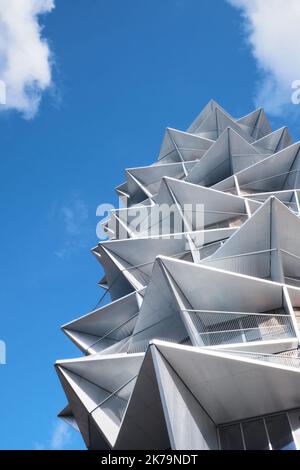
(255, 435)
(231, 437)
(294, 420)
(280, 433)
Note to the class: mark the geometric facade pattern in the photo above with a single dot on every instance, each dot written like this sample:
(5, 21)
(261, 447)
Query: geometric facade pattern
(199, 345)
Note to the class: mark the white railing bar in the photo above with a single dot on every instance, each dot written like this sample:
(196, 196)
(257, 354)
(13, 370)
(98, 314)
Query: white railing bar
(235, 313)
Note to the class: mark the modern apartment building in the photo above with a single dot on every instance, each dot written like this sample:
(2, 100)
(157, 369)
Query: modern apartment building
(199, 345)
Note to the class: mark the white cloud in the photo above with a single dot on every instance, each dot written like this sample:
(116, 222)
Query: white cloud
(74, 216)
(73, 225)
(60, 438)
(25, 57)
(272, 28)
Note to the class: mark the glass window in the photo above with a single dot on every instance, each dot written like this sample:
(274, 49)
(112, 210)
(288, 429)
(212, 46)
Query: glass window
(255, 435)
(231, 437)
(280, 432)
(294, 420)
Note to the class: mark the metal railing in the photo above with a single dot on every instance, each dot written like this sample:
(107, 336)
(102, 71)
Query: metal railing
(115, 404)
(118, 333)
(279, 358)
(222, 327)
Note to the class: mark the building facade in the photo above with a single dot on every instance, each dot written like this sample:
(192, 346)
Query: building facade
(199, 345)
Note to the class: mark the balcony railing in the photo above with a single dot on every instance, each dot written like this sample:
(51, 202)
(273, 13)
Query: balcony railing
(280, 358)
(222, 327)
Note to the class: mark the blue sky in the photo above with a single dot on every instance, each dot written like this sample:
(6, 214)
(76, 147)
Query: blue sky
(123, 71)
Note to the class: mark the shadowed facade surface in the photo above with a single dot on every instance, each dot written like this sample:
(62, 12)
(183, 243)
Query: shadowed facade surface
(199, 347)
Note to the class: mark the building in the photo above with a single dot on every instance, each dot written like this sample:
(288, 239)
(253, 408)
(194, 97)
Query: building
(198, 348)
